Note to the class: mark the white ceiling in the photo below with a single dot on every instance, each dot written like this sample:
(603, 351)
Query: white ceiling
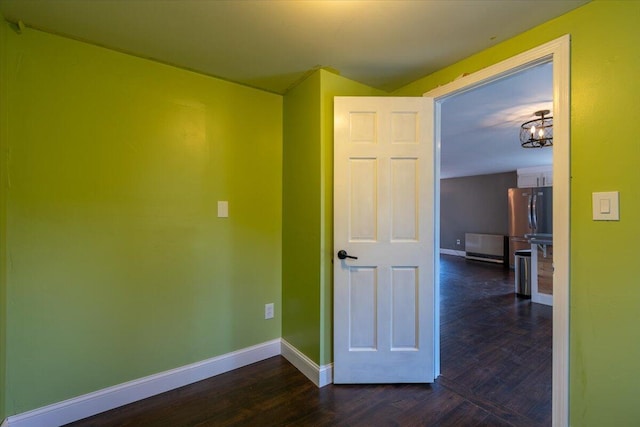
(481, 128)
(273, 44)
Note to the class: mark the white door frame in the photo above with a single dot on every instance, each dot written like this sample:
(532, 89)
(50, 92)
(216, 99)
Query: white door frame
(556, 51)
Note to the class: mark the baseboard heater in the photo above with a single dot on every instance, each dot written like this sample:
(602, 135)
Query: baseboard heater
(486, 247)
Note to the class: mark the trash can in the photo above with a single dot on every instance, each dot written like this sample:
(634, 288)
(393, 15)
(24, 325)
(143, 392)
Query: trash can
(523, 273)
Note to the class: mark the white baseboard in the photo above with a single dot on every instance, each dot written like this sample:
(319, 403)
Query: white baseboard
(452, 252)
(122, 394)
(319, 375)
(542, 298)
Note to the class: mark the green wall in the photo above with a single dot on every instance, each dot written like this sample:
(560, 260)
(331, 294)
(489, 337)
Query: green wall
(605, 284)
(301, 218)
(119, 267)
(3, 219)
(307, 272)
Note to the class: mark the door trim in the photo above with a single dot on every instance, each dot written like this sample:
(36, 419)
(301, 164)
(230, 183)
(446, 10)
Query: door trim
(558, 52)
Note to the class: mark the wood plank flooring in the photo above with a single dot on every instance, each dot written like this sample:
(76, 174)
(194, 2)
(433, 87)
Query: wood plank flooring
(496, 371)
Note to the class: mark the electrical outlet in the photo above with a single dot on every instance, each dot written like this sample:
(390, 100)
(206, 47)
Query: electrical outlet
(457, 241)
(268, 311)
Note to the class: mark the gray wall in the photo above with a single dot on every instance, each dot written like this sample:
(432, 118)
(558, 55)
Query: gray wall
(474, 204)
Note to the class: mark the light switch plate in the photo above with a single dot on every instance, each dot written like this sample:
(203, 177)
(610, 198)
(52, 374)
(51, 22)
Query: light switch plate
(223, 209)
(606, 206)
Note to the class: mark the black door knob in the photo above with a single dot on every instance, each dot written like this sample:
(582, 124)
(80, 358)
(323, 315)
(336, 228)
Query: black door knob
(342, 254)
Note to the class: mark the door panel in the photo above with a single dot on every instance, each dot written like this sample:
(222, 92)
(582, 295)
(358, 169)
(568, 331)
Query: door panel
(363, 177)
(363, 290)
(404, 305)
(384, 301)
(404, 209)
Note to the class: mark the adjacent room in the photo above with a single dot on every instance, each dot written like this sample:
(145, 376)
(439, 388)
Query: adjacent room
(484, 309)
(490, 162)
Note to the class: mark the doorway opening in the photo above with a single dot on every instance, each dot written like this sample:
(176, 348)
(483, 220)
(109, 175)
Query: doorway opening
(494, 343)
(557, 53)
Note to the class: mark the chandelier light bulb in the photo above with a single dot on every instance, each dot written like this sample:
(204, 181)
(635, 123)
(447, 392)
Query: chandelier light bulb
(537, 133)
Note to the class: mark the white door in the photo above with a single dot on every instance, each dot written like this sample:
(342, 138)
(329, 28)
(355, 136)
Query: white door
(384, 301)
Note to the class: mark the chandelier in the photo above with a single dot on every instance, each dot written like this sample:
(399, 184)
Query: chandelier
(537, 133)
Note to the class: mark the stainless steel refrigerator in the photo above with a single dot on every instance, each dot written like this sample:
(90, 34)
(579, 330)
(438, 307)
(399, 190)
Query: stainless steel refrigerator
(530, 218)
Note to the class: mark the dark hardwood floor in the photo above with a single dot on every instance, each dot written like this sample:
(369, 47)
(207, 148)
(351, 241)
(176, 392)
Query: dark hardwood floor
(496, 371)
